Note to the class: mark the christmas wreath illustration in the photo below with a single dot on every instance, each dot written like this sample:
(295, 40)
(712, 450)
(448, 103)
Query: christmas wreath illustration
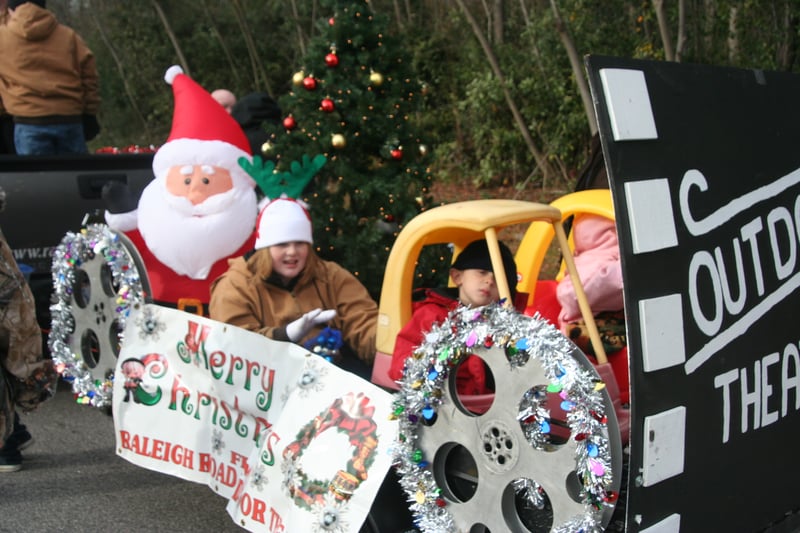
(351, 415)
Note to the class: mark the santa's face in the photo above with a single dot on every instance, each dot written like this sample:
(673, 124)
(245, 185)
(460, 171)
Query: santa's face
(289, 259)
(197, 183)
(194, 216)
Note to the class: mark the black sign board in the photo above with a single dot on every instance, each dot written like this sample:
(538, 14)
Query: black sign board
(704, 165)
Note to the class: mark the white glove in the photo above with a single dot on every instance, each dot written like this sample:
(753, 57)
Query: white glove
(299, 328)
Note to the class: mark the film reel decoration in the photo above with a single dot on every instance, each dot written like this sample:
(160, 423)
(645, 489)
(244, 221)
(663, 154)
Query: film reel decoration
(542, 454)
(98, 278)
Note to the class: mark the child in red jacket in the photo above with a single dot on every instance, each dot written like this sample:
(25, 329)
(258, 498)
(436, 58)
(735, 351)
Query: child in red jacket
(475, 286)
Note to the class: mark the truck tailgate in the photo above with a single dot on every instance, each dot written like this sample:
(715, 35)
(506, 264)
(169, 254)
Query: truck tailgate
(46, 197)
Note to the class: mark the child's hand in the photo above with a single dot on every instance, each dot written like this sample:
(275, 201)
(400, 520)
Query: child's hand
(299, 328)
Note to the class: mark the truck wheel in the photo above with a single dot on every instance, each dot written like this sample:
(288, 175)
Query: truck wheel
(100, 277)
(492, 474)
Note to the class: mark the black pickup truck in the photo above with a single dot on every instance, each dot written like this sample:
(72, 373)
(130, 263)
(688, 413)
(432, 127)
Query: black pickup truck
(46, 197)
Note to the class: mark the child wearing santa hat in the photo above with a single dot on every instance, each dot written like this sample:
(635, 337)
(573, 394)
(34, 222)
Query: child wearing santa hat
(284, 291)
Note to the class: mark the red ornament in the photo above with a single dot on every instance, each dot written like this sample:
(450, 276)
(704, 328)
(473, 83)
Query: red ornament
(389, 218)
(289, 122)
(309, 83)
(331, 21)
(327, 105)
(331, 60)
(397, 154)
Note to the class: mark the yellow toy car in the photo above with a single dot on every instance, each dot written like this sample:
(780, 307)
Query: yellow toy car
(459, 224)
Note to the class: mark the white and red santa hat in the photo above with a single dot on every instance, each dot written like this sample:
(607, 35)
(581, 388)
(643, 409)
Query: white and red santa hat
(283, 220)
(203, 133)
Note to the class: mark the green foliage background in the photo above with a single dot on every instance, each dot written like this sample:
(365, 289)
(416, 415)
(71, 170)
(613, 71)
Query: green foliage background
(473, 136)
(451, 99)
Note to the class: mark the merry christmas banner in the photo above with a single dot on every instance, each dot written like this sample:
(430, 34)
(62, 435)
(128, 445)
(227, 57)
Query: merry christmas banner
(294, 442)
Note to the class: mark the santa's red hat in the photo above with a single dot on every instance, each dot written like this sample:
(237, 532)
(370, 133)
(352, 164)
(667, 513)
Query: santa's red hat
(203, 133)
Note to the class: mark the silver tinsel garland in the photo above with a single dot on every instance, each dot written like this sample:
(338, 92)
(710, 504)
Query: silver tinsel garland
(95, 240)
(423, 389)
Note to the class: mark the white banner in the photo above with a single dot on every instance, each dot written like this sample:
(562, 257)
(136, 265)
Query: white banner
(294, 442)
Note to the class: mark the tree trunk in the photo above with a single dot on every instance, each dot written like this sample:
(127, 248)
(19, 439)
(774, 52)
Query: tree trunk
(787, 49)
(215, 30)
(710, 14)
(498, 21)
(577, 67)
(541, 160)
(122, 75)
(173, 39)
(681, 42)
(260, 76)
(733, 35)
(409, 11)
(301, 37)
(525, 15)
(398, 15)
(663, 28)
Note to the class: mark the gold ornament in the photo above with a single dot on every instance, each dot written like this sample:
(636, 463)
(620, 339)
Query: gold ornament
(375, 78)
(338, 140)
(267, 147)
(298, 77)
(423, 150)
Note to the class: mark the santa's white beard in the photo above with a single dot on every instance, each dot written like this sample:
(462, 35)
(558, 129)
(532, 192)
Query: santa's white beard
(190, 239)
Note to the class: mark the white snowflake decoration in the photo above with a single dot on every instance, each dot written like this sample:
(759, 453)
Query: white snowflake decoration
(149, 324)
(290, 469)
(258, 479)
(311, 380)
(330, 516)
(217, 444)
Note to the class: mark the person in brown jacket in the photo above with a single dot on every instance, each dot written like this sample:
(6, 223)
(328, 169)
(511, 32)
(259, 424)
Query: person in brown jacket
(284, 291)
(48, 81)
(6, 122)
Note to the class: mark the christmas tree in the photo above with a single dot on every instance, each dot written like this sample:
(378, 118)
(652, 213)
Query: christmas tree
(352, 101)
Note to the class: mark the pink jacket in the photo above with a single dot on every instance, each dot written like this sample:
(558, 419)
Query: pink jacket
(597, 261)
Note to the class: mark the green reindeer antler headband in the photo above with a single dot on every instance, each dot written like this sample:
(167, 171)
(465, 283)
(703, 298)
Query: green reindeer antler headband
(274, 184)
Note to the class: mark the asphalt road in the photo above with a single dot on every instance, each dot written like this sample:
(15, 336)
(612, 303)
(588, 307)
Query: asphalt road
(73, 481)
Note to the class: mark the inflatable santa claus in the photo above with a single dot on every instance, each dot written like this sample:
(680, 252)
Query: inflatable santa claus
(201, 207)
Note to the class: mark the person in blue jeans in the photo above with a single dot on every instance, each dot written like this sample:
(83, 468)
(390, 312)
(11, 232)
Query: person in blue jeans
(48, 81)
(53, 139)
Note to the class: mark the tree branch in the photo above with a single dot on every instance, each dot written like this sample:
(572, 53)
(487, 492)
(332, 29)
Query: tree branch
(541, 161)
(121, 69)
(577, 67)
(663, 29)
(173, 39)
